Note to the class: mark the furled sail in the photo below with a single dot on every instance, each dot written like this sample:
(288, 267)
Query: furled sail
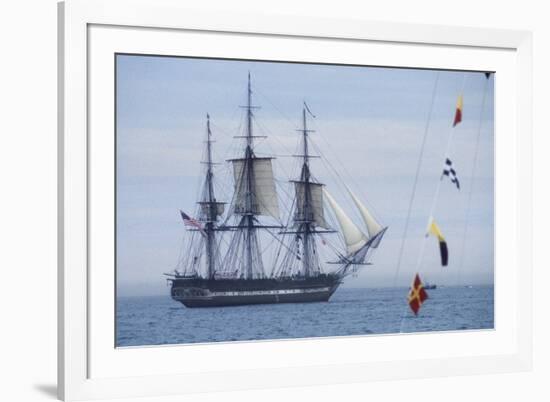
(219, 207)
(354, 238)
(373, 227)
(263, 193)
(315, 209)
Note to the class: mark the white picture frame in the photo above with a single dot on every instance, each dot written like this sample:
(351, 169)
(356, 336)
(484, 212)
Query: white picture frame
(90, 367)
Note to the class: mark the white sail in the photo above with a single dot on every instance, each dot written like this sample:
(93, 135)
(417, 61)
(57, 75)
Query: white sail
(316, 204)
(354, 238)
(373, 227)
(264, 194)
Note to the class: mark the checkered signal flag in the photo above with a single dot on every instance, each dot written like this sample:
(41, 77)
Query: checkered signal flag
(449, 171)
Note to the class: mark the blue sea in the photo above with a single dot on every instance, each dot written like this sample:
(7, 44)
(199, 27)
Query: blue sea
(158, 320)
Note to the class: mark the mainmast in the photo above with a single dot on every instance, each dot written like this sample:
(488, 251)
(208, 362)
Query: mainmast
(307, 219)
(248, 217)
(255, 194)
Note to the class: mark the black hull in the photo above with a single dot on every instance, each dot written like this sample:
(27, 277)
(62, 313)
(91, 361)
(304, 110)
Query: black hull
(221, 301)
(195, 292)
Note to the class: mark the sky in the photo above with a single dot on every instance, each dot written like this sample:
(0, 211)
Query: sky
(369, 126)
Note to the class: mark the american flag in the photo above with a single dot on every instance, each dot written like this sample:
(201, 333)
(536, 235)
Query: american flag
(188, 221)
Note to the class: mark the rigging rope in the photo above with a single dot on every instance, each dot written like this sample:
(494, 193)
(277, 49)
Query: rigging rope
(434, 204)
(438, 188)
(417, 174)
(474, 165)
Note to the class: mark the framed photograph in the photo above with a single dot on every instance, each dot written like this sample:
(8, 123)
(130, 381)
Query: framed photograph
(255, 201)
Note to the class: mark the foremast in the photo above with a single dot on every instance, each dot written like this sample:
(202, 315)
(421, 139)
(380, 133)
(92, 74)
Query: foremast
(309, 222)
(305, 218)
(308, 218)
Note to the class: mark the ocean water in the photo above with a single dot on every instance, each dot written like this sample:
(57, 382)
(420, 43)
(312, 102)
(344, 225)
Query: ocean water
(158, 320)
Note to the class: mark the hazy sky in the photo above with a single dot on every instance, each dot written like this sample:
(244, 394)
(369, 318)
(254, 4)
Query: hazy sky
(369, 125)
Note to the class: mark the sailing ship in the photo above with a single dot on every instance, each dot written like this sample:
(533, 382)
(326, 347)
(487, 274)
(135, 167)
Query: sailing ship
(224, 263)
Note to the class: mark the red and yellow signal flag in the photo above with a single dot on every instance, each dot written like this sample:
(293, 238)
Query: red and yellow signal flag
(458, 113)
(434, 230)
(417, 295)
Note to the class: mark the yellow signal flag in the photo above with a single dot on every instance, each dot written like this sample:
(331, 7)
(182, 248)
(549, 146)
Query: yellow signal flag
(434, 230)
